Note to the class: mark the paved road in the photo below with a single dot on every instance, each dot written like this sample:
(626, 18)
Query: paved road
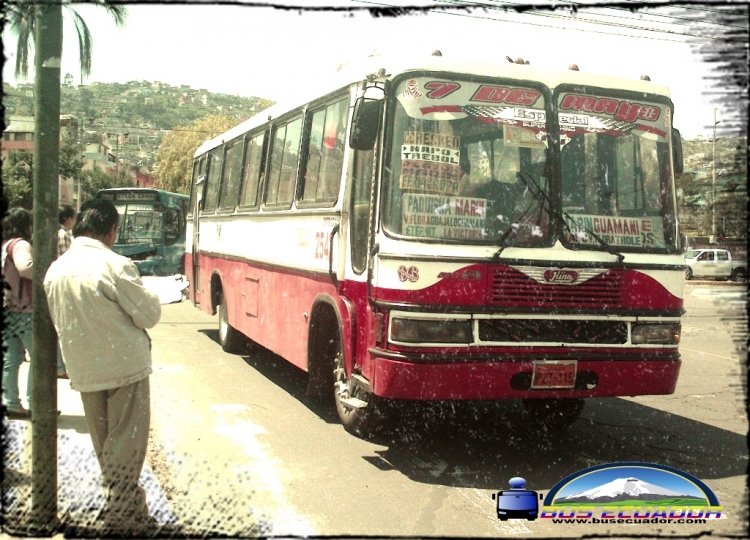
(239, 449)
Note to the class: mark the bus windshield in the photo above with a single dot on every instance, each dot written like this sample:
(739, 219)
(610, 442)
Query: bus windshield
(139, 224)
(616, 172)
(151, 230)
(468, 163)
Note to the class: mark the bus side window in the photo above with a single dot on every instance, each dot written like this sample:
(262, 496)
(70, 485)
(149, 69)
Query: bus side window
(284, 163)
(173, 225)
(232, 175)
(197, 190)
(326, 154)
(252, 171)
(215, 165)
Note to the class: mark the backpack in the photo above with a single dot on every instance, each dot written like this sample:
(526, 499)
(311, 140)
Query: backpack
(24, 284)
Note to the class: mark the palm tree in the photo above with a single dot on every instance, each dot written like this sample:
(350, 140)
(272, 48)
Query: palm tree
(21, 15)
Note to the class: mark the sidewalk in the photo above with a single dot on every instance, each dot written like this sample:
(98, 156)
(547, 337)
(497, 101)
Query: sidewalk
(80, 496)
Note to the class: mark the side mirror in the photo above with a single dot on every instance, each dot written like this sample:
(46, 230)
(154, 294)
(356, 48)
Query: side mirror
(172, 225)
(677, 151)
(365, 123)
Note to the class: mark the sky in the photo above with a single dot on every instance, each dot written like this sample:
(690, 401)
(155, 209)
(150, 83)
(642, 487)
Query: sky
(271, 52)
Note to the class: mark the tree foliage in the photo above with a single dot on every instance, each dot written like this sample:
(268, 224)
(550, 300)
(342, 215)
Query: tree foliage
(174, 159)
(18, 171)
(17, 174)
(21, 16)
(71, 162)
(95, 179)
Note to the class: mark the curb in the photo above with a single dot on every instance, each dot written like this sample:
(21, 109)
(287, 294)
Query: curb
(715, 282)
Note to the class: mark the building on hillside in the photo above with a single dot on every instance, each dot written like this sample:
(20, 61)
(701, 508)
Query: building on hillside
(19, 136)
(98, 156)
(144, 180)
(713, 208)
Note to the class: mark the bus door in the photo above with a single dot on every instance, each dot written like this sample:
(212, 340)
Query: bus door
(199, 185)
(366, 120)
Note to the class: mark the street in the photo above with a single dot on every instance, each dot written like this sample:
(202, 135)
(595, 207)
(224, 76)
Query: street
(239, 448)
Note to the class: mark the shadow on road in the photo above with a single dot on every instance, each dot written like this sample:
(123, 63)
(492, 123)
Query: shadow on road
(286, 376)
(483, 444)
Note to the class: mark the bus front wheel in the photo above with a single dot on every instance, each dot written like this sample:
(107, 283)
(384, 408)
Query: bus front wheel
(230, 339)
(360, 412)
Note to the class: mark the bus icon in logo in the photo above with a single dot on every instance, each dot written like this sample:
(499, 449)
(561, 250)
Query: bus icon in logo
(517, 502)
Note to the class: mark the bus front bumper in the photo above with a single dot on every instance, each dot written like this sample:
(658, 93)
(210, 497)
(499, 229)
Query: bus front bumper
(511, 379)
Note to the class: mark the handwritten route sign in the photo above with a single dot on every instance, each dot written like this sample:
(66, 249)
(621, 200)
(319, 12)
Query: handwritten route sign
(444, 217)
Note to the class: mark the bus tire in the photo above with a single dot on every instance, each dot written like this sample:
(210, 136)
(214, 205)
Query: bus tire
(230, 339)
(365, 421)
(553, 415)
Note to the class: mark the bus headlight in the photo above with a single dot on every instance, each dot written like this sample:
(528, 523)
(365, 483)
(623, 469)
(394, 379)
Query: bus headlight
(431, 331)
(655, 333)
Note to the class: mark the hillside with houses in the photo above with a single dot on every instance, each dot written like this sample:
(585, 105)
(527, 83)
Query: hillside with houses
(130, 119)
(705, 180)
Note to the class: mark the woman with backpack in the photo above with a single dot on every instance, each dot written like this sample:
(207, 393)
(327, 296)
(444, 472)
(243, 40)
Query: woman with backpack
(17, 265)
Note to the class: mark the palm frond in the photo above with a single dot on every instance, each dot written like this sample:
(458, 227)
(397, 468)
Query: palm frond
(84, 41)
(21, 16)
(118, 12)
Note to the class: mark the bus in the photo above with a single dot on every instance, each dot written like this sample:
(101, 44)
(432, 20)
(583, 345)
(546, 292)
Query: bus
(152, 228)
(437, 229)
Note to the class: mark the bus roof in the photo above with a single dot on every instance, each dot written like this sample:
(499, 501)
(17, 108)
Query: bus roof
(140, 190)
(385, 68)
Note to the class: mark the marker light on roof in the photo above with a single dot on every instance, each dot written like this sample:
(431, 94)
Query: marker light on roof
(645, 78)
(573, 67)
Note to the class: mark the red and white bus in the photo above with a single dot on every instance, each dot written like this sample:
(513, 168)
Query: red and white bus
(449, 230)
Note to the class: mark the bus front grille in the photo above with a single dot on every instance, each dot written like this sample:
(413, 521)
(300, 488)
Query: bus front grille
(553, 331)
(512, 288)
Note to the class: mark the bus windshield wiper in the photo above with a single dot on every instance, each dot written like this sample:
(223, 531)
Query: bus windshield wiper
(561, 216)
(602, 242)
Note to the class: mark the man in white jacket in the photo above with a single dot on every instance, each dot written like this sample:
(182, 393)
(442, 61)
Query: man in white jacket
(101, 311)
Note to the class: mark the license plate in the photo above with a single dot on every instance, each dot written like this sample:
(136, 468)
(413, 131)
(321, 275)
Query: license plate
(554, 374)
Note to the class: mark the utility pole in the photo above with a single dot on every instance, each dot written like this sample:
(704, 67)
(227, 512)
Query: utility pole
(713, 183)
(48, 49)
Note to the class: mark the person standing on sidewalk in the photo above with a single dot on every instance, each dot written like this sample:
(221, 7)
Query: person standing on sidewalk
(101, 311)
(66, 216)
(17, 265)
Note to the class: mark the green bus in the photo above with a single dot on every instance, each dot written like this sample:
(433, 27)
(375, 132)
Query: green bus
(152, 228)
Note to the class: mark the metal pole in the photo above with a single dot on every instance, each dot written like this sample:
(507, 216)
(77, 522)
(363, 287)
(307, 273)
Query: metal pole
(713, 183)
(48, 47)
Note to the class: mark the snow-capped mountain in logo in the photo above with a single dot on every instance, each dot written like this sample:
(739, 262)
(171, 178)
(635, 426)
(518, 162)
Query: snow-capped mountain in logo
(625, 489)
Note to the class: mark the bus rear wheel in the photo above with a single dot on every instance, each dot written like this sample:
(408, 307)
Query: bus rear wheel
(553, 415)
(230, 339)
